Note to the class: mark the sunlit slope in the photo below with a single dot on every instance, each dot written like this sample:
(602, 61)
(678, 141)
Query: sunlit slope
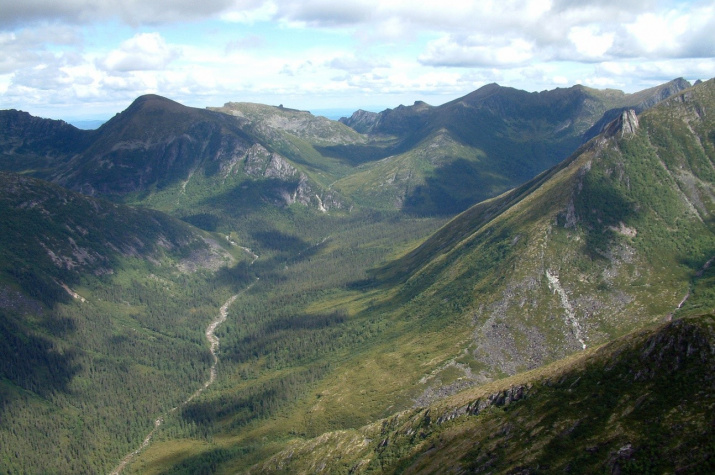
(299, 136)
(639, 404)
(613, 239)
(609, 240)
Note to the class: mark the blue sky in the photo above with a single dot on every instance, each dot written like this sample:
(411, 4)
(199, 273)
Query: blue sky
(83, 59)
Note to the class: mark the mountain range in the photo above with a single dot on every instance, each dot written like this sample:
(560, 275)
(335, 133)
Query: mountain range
(503, 283)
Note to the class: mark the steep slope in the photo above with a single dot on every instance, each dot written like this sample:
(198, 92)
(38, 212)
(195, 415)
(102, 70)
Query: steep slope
(642, 404)
(102, 316)
(52, 234)
(35, 144)
(604, 242)
(616, 238)
(157, 147)
(444, 159)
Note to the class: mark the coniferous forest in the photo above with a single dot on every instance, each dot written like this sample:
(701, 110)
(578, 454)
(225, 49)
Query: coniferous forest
(393, 292)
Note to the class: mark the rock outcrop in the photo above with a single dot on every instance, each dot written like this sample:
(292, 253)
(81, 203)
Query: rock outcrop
(624, 126)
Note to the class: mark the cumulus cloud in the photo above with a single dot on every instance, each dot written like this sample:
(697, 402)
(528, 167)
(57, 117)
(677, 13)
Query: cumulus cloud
(590, 42)
(675, 33)
(28, 48)
(254, 49)
(477, 51)
(578, 31)
(142, 52)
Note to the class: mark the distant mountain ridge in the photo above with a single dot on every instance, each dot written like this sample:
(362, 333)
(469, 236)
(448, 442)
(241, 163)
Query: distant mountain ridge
(154, 145)
(492, 139)
(37, 144)
(421, 159)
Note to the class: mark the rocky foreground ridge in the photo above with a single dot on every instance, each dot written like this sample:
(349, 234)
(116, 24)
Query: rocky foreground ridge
(642, 403)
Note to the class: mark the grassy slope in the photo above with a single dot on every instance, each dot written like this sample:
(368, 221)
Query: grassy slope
(625, 227)
(642, 403)
(618, 225)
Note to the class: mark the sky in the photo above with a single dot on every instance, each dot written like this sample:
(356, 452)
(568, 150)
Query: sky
(89, 59)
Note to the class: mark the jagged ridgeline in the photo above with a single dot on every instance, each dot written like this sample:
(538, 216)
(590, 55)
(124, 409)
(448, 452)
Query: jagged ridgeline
(424, 160)
(440, 160)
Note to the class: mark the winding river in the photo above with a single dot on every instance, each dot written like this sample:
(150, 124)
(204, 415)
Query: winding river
(214, 344)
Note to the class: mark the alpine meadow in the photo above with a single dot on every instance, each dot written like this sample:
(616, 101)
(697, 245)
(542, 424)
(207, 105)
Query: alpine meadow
(510, 282)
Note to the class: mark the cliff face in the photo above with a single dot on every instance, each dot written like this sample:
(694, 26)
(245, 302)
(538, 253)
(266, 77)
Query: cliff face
(637, 102)
(625, 126)
(361, 121)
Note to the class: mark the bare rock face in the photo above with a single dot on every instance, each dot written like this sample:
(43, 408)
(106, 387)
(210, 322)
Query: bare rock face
(278, 167)
(361, 121)
(262, 163)
(625, 126)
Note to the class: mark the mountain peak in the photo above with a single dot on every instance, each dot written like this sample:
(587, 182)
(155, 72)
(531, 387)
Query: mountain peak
(361, 120)
(154, 101)
(624, 126)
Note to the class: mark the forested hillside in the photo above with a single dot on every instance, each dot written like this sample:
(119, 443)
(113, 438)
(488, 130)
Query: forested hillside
(352, 298)
(103, 309)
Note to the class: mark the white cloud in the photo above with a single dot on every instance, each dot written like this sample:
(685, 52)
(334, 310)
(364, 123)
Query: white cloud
(143, 52)
(477, 51)
(658, 71)
(313, 51)
(355, 65)
(676, 33)
(589, 42)
(29, 48)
